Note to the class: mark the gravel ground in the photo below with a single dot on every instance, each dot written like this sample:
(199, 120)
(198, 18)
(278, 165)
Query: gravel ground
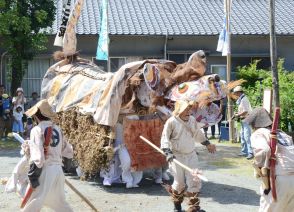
(231, 187)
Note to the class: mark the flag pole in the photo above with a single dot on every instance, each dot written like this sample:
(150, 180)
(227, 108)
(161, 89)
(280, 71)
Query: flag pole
(230, 105)
(108, 40)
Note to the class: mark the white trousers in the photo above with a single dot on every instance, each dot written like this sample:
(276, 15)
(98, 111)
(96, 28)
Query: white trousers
(285, 196)
(183, 177)
(113, 173)
(121, 165)
(50, 192)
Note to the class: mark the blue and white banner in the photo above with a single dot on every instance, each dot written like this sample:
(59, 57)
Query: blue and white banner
(223, 44)
(102, 48)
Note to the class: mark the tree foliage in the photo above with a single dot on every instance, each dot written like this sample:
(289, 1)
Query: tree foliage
(286, 88)
(22, 29)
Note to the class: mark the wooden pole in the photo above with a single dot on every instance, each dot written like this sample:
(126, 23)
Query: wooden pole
(230, 103)
(108, 39)
(174, 160)
(273, 52)
(80, 195)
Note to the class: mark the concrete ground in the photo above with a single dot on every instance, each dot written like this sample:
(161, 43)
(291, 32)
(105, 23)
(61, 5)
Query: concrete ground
(231, 187)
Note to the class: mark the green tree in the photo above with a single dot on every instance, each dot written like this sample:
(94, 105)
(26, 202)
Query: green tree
(23, 25)
(252, 88)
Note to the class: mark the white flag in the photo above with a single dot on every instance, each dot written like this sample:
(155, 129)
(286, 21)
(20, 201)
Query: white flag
(70, 38)
(65, 15)
(223, 45)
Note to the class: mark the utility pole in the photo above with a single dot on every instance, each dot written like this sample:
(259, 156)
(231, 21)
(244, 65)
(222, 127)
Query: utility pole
(230, 105)
(273, 53)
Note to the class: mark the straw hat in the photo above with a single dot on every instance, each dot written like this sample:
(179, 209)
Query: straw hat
(44, 108)
(181, 106)
(5, 96)
(258, 117)
(238, 89)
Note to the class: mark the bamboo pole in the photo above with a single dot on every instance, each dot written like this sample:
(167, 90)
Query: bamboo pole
(174, 160)
(80, 195)
(108, 39)
(273, 53)
(230, 103)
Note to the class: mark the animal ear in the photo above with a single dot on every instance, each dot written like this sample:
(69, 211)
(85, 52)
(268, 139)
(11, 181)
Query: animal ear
(235, 83)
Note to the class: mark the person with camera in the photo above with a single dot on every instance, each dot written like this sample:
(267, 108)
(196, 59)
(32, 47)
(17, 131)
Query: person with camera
(244, 108)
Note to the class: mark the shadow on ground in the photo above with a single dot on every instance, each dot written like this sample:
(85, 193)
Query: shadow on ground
(146, 186)
(229, 194)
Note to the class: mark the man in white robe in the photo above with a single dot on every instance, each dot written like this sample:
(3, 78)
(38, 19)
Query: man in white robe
(179, 135)
(261, 121)
(49, 186)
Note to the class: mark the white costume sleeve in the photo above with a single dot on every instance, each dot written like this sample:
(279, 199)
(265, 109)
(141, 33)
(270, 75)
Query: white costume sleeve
(19, 173)
(198, 134)
(245, 105)
(36, 147)
(260, 145)
(166, 134)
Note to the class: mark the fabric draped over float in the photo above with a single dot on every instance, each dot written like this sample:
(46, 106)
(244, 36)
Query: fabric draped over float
(81, 93)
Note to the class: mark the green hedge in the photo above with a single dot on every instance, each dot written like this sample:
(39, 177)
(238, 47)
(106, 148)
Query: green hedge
(251, 74)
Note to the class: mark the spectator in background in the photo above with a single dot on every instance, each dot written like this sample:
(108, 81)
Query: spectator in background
(212, 107)
(219, 103)
(6, 116)
(34, 100)
(28, 127)
(17, 126)
(19, 99)
(244, 108)
(2, 89)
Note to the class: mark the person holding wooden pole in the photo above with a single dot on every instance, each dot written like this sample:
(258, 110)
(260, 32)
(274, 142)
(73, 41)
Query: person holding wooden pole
(273, 161)
(47, 147)
(179, 135)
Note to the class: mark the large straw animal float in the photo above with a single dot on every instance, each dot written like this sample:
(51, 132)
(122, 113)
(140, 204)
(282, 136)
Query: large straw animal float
(89, 101)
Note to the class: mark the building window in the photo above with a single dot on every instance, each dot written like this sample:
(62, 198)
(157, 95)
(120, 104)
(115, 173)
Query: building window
(115, 63)
(33, 77)
(220, 70)
(178, 58)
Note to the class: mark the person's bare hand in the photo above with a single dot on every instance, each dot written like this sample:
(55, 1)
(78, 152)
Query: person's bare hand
(211, 148)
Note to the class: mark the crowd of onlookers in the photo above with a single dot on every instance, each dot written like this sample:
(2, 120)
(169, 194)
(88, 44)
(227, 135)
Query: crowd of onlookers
(12, 117)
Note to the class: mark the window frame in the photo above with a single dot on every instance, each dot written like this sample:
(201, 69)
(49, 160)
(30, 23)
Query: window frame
(218, 65)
